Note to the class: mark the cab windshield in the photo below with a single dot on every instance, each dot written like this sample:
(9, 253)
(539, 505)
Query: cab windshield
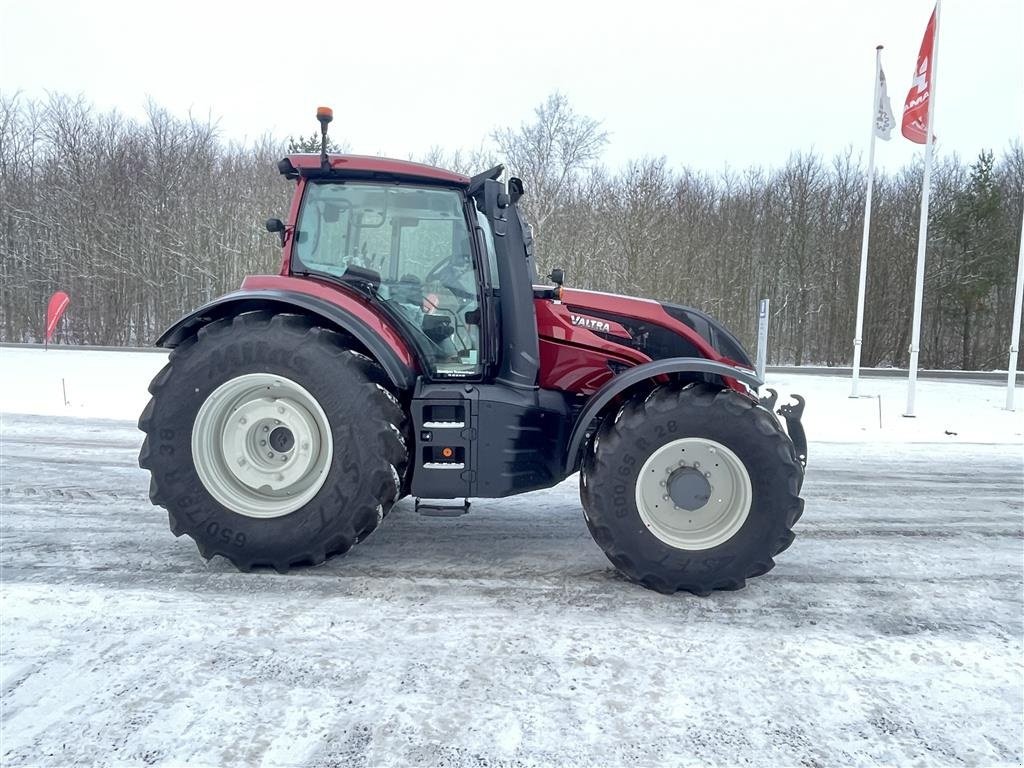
(416, 241)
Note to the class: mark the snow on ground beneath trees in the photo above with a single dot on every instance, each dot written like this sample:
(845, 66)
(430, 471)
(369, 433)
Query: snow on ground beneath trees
(112, 385)
(889, 633)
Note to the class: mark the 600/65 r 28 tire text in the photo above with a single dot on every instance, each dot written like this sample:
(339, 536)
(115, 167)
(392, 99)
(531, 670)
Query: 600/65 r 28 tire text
(692, 489)
(271, 443)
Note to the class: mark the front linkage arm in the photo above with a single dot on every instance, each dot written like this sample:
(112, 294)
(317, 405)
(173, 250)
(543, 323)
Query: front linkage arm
(793, 415)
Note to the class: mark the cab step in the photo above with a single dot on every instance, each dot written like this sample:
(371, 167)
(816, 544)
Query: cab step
(432, 509)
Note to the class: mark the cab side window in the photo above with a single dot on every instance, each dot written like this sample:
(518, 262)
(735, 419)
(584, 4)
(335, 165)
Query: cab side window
(417, 240)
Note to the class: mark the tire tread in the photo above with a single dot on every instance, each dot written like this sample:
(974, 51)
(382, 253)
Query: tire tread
(665, 400)
(338, 534)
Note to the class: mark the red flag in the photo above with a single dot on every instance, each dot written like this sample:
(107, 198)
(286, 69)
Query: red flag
(915, 110)
(58, 303)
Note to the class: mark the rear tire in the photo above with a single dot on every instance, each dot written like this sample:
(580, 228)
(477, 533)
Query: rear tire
(338, 405)
(746, 465)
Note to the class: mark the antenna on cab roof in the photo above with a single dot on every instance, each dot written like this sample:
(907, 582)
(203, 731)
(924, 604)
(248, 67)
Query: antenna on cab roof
(324, 115)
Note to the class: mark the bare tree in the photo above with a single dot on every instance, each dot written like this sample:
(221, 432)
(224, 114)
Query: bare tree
(141, 221)
(550, 152)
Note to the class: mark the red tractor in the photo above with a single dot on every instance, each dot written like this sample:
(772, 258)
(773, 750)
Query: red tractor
(405, 348)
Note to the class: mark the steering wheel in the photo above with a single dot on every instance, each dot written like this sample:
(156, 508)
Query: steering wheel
(448, 274)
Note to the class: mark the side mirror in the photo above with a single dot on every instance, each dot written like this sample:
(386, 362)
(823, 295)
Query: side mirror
(516, 188)
(276, 225)
(557, 276)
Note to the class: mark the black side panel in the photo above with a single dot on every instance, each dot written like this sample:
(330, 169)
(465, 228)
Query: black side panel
(522, 441)
(713, 332)
(284, 301)
(520, 359)
(486, 441)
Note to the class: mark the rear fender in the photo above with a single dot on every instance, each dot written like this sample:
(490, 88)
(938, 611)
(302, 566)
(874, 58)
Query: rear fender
(636, 375)
(393, 357)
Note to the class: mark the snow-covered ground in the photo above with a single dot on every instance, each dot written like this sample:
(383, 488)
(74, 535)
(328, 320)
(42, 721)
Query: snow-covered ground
(112, 385)
(891, 632)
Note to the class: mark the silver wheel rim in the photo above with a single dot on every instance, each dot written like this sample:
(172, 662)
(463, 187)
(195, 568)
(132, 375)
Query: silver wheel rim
(683, 471)
(262, 445)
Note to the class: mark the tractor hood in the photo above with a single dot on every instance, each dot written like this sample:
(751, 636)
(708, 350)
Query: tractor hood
(658, 330)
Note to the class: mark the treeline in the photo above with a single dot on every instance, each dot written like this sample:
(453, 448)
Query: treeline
(140, 221)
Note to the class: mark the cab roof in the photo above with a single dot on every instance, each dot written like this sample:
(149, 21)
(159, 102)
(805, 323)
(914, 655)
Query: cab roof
(365, 166)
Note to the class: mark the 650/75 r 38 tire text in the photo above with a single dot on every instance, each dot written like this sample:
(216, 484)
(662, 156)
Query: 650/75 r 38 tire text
(271, 443)
(692, 489)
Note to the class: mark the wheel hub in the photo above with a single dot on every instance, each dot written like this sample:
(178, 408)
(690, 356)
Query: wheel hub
(282, 440)
(693, 493)
(688, 488)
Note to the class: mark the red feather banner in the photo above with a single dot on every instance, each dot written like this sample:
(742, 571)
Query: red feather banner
(54, 310)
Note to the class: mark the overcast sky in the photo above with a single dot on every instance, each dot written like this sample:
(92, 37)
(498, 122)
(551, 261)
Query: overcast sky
(703, 83)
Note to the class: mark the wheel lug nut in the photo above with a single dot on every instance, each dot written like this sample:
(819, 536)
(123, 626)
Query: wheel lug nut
(696, 465)
(662, 483)
(279, 476)
(263, 442)
(266, 428)
(241, 461)
(270, 454)
(707, 474)
(280, 410)
(664, 498)
(242, 420)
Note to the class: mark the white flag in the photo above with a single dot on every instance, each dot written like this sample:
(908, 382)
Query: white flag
(884, 120)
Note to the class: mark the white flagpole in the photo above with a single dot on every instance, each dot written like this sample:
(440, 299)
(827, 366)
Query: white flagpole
(922, 230)
(862, 284)
(1011, 379)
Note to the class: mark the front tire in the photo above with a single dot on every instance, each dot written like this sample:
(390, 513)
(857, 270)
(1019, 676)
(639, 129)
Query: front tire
(691, 489)
(271, 443)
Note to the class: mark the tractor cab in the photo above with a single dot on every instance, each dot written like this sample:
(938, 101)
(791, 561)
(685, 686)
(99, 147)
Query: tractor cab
(436, 252)
(408, 245)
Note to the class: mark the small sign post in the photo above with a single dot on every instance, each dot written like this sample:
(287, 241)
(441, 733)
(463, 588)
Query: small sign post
(762, 338)
(1018, 299)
